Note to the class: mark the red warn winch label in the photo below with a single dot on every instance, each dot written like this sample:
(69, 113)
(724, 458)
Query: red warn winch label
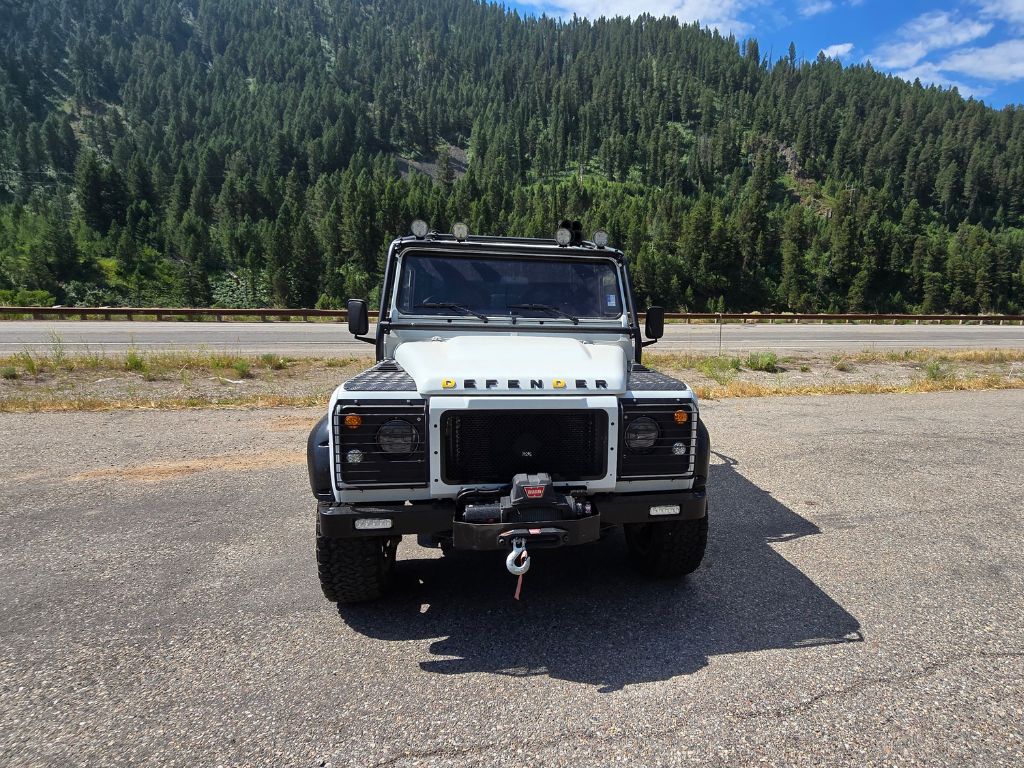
(534, 491)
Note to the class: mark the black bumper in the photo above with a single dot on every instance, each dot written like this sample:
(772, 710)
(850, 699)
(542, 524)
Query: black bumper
(338, 520)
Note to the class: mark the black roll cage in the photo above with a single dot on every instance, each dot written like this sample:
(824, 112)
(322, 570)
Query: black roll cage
(505, 246)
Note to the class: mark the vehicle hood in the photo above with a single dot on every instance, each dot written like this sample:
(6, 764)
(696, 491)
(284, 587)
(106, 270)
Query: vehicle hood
(521, 365)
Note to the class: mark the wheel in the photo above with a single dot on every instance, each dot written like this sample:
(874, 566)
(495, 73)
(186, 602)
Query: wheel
(355, 570)
(667, 550)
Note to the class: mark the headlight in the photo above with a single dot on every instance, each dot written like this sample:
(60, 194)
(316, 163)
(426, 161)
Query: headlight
(642, 434)
(397, 437)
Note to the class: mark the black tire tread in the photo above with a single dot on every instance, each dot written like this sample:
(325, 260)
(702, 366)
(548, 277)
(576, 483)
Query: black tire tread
(353, 570)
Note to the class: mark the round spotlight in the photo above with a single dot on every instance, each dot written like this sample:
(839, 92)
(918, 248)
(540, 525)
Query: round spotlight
(419, 228)
(460, 230)
(600, 238)
(398, 437)
(563, 236)
(355, 456)
(642, 434)
(679, 449)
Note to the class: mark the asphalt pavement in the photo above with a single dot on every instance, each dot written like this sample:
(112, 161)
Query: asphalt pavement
(861, 603)
(332, 339)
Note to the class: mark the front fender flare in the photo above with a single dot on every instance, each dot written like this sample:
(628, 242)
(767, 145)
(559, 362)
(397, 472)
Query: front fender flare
(318, 460)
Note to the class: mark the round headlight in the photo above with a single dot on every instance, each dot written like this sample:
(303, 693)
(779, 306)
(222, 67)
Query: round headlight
(397, 437)
(642, 434)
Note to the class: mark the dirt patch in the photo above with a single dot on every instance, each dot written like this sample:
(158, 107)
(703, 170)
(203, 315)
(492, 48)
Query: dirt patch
(290, 424)
(160, 471)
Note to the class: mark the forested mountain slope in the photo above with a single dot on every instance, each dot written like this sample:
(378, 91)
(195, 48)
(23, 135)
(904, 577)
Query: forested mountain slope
(255, 151)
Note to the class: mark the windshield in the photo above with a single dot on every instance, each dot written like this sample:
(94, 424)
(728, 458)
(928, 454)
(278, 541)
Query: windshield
(507, 286)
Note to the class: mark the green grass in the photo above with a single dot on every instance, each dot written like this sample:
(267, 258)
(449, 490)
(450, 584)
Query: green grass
(9, 372)
(28, 363)
(763, 361)
(843, 366)
(242, 367)
(135, 361)
(935, 370)
(273, 362)
(721, 369)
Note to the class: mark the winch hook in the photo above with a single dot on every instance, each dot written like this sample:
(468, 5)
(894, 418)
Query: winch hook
(518, 550)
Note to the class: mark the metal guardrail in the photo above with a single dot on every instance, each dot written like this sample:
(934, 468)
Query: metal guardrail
(339, 315)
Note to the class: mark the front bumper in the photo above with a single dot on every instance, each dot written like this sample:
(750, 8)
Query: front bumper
(339, 520)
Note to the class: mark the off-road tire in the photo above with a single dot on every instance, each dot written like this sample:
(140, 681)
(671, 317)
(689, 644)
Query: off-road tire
(355, 570)
(667, 550)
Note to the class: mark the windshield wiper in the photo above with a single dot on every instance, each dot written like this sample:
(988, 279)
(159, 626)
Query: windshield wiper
(547, 308)
(449, 305)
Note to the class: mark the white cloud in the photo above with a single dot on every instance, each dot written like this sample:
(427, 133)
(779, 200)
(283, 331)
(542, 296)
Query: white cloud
(1008, 10)
(814, 7)
(930, 74)
(932, 31)
(837, 51)
(723, 15)
(1003, 61)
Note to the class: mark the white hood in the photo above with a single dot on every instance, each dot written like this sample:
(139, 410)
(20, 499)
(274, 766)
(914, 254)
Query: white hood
(521, 365)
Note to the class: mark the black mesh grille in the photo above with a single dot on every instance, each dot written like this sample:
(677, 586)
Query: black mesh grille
(376, 467)
(659, 461)
(492, 446)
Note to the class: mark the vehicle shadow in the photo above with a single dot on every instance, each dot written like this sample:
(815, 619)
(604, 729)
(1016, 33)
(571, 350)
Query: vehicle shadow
(586, 617)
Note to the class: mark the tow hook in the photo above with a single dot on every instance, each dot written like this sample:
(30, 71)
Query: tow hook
(518, 550)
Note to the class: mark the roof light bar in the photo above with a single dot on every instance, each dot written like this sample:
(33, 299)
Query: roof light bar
(419, 229)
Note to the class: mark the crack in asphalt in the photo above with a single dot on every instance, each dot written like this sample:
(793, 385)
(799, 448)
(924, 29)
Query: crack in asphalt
(778, 712)
(863, 684)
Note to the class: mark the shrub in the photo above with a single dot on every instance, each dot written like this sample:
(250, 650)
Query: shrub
(134, 361)
(242, 367)
(936, 371)
(763, 361)
(26, 298)
(273, 362)
(9, 372)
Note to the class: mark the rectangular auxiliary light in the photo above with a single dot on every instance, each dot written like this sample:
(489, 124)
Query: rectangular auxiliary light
(378, 523)
(665, 510)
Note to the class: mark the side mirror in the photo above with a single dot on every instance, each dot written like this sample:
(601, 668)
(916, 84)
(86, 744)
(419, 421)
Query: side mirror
(358, 317)
(654, 328)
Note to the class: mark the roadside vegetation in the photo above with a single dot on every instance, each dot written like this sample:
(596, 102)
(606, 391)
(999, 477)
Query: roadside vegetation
(55, 380)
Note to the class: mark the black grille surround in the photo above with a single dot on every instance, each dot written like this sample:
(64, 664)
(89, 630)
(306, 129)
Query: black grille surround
(379, 469)
(659, 462)
(491, 446)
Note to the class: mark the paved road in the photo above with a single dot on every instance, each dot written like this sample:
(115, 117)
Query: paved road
(861, 603)
(329, 339)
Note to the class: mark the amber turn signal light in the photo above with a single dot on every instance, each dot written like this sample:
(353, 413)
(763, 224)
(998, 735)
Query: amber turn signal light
(353, 421)
(681, 417)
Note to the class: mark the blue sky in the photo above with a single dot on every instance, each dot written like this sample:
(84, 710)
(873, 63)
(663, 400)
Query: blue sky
(975, 45)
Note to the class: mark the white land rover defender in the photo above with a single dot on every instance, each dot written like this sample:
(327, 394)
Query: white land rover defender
(508, 410)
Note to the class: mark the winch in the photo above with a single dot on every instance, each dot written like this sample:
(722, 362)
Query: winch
(532, 499)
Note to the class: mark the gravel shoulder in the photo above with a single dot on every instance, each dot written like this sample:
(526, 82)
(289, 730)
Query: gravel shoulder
(862, 603)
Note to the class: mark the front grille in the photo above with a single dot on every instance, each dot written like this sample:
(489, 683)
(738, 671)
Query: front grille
(659, 462)
(493, 446)
(378, 469)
